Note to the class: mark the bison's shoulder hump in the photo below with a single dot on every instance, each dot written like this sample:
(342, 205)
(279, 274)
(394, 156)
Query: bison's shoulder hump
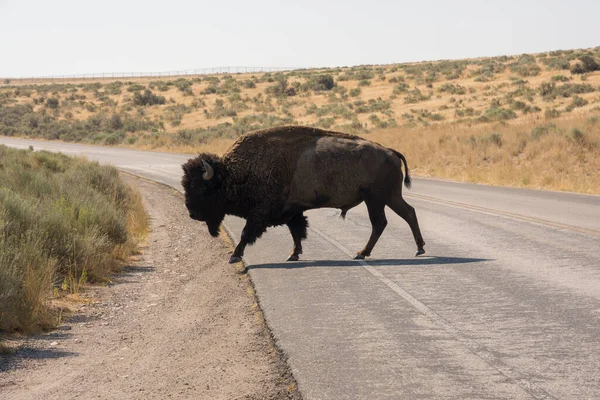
(292, 133)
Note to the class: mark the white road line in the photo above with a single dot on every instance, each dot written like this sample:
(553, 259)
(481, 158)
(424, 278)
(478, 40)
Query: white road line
(476, 348)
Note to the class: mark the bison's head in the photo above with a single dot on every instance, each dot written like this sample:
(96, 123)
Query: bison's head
(202, 182)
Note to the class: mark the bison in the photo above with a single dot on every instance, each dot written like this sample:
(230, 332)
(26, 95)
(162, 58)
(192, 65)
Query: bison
(270, 177)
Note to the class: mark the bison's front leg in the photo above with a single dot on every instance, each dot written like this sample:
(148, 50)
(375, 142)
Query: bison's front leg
(378, 224)
(252, 231)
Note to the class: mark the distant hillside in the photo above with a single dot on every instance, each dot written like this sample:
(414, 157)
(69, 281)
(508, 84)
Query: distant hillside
(471, 98)
(354, 99)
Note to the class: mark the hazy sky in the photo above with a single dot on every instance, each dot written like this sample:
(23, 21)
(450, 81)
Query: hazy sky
(73, 37)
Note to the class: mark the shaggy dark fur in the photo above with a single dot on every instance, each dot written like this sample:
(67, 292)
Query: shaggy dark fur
(271, 177)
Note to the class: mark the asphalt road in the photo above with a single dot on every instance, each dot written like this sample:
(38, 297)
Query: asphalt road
(505, 304)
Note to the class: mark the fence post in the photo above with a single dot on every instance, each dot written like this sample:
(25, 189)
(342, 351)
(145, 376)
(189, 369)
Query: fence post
(123, 75)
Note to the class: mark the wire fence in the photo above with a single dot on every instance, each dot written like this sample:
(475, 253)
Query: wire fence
(134, 75)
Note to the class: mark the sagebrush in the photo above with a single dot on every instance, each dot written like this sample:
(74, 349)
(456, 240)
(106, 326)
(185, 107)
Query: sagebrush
(61, 220)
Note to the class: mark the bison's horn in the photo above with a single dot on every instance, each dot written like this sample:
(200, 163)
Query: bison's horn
(208, 174)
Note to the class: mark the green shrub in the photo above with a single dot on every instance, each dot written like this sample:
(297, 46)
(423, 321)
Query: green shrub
(325, 123)
(211, 89)
(415, 96)
(318, 83)
(334, 109)
(135, 87)
(355, 126)
(466, 112)
(556, 63)
(357, 74)
(22, 119)
(524, 107)
(184, 86)
(62, 220)
(526, 70)
(373, 105)
(587, 64)
(488, 68)
(88, 87)
(198, 103)
(113, 88)
(148, 99)
(176, 111)
(161, 86)
(400, 88)
(221, 111)
(280, 88)
(423, 114)
(577, 136)
(113, 139)
(239, 126)
(249, 84)
(525, 66)
(354, 92)
(452, 89)
(576, 102)
(543, 130)
(52, 102)
(497, 114)
(549, 90)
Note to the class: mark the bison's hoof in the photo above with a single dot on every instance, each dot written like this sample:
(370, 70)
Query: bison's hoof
(235, 259)
(293, 257)
(359, 257)
(419, 252)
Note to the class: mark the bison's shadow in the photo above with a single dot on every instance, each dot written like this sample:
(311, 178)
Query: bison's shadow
(417, 261)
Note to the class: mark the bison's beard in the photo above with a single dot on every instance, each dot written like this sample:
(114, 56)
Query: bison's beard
(213, 228)
(213, 225)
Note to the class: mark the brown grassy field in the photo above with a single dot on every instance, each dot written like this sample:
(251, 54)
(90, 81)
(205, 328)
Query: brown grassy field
(524, 120)
(559, 155)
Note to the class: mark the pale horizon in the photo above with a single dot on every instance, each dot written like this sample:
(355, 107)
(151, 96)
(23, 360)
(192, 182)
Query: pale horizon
(66, 38)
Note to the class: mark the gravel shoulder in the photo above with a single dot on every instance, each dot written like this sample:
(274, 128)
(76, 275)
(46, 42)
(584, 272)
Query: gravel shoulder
(177, 323)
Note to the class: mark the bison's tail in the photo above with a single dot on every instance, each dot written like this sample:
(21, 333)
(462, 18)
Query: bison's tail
(407, 180)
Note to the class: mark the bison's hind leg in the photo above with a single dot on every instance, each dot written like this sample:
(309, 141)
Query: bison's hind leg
(407, 212)
(298, 228)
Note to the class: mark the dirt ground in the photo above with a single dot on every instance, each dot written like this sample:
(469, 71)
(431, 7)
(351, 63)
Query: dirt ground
(178, 323)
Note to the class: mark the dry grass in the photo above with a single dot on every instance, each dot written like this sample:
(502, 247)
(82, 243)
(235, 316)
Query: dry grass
(529, 153)
(63, 222)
